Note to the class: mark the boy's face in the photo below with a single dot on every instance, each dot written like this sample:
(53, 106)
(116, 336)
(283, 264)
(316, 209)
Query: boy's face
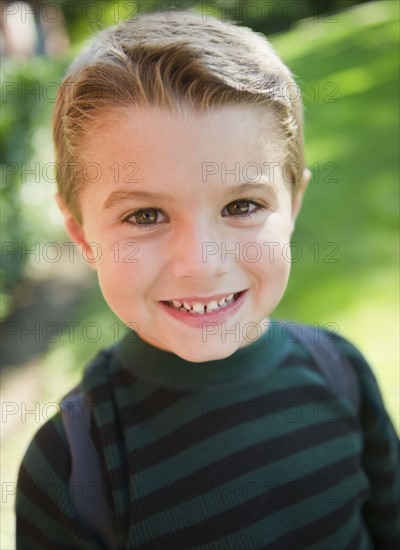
(185, 210)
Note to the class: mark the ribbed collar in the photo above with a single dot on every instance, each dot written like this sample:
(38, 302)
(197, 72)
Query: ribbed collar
(167, 369)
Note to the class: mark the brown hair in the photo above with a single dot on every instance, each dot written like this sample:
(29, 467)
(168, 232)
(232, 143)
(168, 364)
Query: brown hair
(171, 59)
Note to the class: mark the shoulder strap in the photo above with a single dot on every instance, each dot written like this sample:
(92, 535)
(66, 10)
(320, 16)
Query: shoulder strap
(86, 483)
(334, 364)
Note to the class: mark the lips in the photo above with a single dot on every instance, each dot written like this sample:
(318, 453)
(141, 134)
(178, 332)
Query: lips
(202, 306)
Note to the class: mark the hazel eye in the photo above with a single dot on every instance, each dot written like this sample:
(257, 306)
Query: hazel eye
(146, 217)
(238, 208)
(242, 208)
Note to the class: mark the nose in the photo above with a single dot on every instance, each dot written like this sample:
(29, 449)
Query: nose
(195, 252)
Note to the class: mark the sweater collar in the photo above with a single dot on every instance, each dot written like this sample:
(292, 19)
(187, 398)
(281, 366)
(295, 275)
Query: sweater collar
(167, 369)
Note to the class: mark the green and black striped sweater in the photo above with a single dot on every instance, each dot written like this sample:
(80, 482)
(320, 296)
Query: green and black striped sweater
(254, 451)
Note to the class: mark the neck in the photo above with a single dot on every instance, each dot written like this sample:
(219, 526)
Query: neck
(167, 369)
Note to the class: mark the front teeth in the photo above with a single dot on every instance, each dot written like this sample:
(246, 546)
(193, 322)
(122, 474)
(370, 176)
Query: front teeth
(212, 306)
(198, 308)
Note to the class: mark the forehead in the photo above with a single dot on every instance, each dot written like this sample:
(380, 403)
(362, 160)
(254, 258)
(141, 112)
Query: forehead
(238, 130)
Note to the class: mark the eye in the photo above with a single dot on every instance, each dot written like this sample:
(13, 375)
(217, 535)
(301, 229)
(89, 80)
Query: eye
(145, 217)
(242, 208)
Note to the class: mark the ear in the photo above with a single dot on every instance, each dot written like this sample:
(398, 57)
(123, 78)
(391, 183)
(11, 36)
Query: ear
(76, 232)
(297, 202)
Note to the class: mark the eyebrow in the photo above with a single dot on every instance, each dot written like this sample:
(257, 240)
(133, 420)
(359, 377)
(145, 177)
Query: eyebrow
(119, 196)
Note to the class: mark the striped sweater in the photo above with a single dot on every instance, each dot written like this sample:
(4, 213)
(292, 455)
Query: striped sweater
(250, 452)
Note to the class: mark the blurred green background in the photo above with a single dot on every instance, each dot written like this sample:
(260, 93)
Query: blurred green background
(345, 59)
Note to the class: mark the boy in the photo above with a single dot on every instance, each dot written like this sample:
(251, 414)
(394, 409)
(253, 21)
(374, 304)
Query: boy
(213, 428)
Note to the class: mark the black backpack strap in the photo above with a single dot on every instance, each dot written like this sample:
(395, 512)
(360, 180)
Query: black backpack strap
(334, 364)
(86, 482)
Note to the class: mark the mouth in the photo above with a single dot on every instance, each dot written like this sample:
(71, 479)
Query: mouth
(203, 306)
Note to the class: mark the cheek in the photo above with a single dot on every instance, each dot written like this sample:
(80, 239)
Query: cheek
(273, 276)
(268, 258)
(118, 272)
(272, 243)
(274, 268)
(127, 269)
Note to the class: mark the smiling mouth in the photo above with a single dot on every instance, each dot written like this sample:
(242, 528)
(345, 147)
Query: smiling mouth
(198, 308)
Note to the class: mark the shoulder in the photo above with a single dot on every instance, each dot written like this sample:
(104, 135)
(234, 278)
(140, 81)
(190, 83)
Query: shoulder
(46, 516)
(358, 362)
(373, 412)
(347, 348)
(42, 496)
(343, 365)
(49, 446)
(48, 455)
(381, 451)
(46, 465)
(329, 339)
